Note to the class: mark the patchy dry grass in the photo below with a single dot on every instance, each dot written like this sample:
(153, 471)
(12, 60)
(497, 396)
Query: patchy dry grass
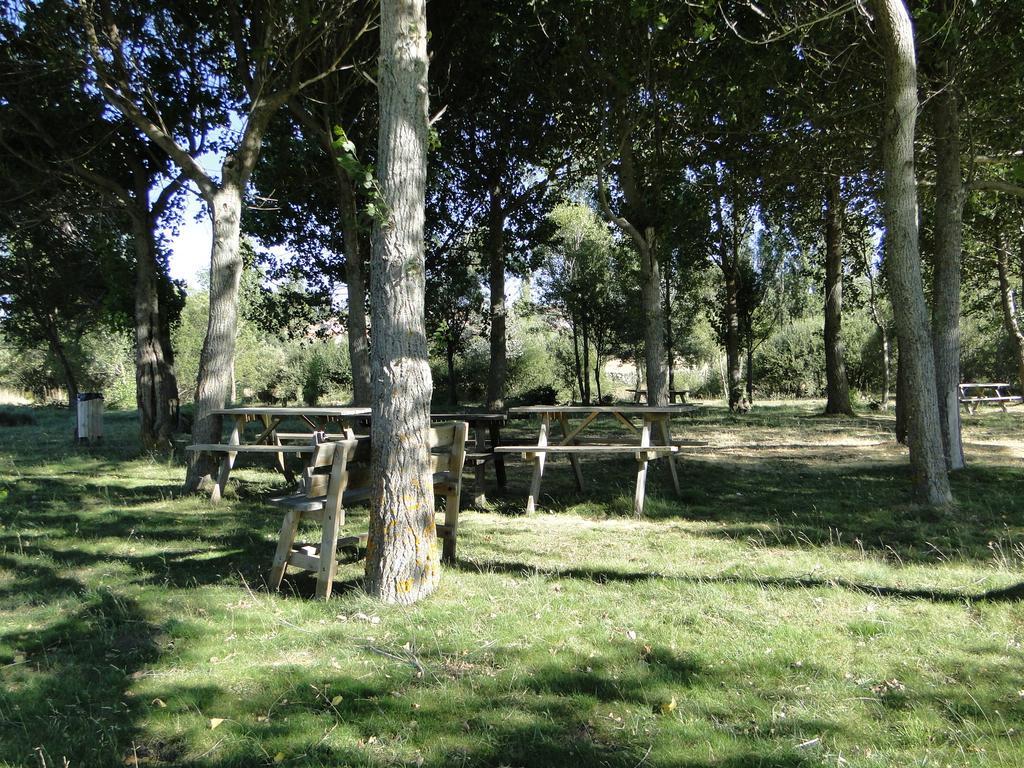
(791, 609)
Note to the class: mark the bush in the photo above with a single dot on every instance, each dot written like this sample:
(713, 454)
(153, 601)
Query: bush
(792, 362)
(545, 394)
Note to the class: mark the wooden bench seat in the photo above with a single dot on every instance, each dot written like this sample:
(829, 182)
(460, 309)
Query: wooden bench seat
(308, 436)
(1012, 398)
(646, 453)
(245, 448)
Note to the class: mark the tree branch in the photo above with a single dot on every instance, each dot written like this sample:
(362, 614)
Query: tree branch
(622, 223)
(121, 98)
(995, 185)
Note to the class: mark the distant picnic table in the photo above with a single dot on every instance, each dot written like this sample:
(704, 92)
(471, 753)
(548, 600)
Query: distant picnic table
(972, 393)
(272, 441)
(641, 394)
(652, 439)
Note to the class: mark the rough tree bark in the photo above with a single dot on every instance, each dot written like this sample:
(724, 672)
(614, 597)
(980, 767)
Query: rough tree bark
(156, 388)
(927, 458)
(836, 385)
(498, 309)
(949, 208)
(402, 562)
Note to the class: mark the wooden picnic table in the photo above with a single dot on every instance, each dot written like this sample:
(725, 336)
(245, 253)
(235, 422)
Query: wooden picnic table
(972, 393)
(682, 394)
(652, 440)
(485, 429)
(271, 441)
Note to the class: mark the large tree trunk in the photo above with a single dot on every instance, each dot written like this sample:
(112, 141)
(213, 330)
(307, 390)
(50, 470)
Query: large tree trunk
(734, 382)
(402, 561)
(216, 361)
(496, 277)
(949, 207)
(1009, 306)
(358, 343)
(837, 387)
(927, 458)
(654, 323)
(156, 389)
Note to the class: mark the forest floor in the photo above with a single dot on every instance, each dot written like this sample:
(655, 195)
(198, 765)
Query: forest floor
(793, 608)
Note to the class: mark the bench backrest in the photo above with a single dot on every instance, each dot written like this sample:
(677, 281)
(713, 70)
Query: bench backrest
(330, 467)
(448, 447)
(344, 464)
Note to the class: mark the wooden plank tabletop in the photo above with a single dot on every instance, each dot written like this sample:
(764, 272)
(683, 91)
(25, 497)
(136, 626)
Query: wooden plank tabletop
(285, 411)
(489, 418)
(628, 408)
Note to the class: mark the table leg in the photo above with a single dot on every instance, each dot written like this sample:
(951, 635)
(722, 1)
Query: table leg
(574, 460)
(228, 462)
(480, 446)
(499, 460)
(641, 472)
(270, 429)
(538, 464)
(666, 434)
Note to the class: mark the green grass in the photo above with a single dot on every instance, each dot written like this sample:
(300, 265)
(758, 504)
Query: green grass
(791, 609)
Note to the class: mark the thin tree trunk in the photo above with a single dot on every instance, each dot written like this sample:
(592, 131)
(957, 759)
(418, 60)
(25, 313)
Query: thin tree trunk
(453, 385)
(750, 375)
(1009, 306)
(650, 281)
(154, 375)
(949, 207)
(402, 564)
(886, 368)
(927, 458)
(837, 387)
(669, 351)
(358, 340)
(901, 400)
(496, 276)
(585, 368)
(171, 395)
(734, 385)
(876, 317)
(654, 323)
(577, 365)
(57, 349)
(216, 361)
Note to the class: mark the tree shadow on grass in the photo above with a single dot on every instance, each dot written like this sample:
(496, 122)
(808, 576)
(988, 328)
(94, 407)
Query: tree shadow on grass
(606, 576)
(432, 714)
(64, 692)
(792, 501)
